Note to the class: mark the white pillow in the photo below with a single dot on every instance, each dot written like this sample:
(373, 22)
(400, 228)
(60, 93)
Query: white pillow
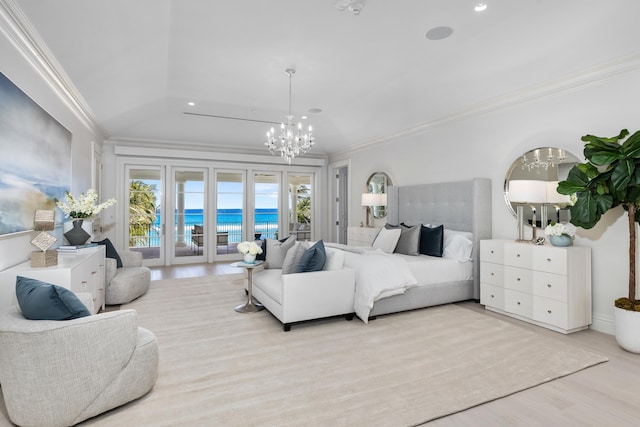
(335, 259)
(386, 240)
(277, 251)
(457, 245)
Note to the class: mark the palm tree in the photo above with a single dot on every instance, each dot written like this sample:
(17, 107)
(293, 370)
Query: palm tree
(142, 211)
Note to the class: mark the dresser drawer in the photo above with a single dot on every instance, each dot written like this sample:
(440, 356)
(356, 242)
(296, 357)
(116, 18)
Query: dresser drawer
(491, 273)
(518, 254)
(492, 296)
(551, 311)
(518, 303)
(492, 251)
(550, 285)
(518, 279)
(551, 260)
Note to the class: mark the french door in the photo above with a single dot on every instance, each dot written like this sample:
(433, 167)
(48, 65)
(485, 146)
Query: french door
(144, 212)
(188, 214)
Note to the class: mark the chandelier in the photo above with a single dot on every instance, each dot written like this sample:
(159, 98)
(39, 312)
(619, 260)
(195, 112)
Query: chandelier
(549, 157)
(291, 141)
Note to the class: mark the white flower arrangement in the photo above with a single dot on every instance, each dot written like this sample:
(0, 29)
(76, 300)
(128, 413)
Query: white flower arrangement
(558, 229)
(84, 206)
(249, 248)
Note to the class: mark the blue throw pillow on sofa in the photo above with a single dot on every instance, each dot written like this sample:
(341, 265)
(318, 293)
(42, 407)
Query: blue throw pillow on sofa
(44, 301)
(313, 259)
(110, 251)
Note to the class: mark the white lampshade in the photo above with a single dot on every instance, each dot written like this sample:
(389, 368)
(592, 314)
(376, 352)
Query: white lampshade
(555, 198)
(374, 199)
(527, 191)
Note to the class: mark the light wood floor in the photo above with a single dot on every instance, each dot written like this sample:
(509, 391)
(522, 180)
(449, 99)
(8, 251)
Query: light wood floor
(604, 395)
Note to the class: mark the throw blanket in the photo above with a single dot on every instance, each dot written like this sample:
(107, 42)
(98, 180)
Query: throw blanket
(378, 275)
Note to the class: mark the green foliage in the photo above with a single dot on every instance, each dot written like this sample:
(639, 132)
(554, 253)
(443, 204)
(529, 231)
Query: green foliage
(142, 212)
(610, 177)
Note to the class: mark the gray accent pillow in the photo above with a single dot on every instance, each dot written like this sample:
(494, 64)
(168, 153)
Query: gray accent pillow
(409, 242)
(44, 301)
(276, 251)
(293, 257)
(313, 258)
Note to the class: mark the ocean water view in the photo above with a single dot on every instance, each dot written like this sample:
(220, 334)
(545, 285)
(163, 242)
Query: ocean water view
(228, 221)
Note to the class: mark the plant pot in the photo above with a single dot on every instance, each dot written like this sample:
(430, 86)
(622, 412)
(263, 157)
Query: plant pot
(627, 327)
(249, 259)
(561, 240)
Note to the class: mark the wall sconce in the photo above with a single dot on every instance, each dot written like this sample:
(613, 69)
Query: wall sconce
(43, 221)
(373, 199)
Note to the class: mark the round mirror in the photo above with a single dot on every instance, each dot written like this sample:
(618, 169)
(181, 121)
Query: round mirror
(538, 172)
(377, 184)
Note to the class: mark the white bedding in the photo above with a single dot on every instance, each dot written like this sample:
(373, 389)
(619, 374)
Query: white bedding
(429, 270)
(380, 275)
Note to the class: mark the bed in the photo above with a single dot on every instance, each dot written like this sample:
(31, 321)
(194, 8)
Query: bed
(464, 206)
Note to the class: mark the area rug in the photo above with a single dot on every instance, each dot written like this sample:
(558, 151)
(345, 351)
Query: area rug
(222, 368)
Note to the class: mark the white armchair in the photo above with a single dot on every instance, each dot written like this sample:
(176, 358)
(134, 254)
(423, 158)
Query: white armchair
(59, 373)
(128, 282)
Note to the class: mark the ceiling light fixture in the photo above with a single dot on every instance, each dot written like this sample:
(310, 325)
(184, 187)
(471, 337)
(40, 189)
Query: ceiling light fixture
(480, 7)
(191, 104)
(292, 141)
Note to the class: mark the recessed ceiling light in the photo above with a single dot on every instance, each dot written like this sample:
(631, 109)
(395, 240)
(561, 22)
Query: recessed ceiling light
(480, 7)
(315, 110)
(191, 104)
(439, 33)
(303, 117)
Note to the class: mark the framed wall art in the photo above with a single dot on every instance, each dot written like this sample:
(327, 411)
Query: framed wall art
(35, 159)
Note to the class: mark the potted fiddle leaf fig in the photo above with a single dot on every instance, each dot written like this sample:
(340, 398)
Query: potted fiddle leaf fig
(611, 177)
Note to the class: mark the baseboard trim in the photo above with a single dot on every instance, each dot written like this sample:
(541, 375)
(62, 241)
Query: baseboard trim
(602, 323)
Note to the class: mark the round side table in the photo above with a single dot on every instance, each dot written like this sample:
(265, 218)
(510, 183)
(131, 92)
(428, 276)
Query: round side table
(250, 306)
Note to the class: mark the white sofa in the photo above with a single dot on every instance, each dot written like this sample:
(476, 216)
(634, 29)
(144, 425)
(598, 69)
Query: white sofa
(298, 297)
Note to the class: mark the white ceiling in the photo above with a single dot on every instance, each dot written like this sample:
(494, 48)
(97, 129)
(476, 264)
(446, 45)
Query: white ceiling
(137, 63)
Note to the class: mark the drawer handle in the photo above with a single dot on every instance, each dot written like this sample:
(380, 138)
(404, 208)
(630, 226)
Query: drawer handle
(549, 259)
(518, 255)
(518, 279)
(492, 273)
(518, 302)
(548, 285)
(492, 296)
(549, 311)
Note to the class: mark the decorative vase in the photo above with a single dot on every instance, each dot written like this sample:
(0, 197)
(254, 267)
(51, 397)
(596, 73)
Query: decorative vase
(249, 259)
(561, 240)
(77, 235)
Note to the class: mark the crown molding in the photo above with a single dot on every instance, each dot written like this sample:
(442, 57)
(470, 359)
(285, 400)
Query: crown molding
(19, 31)
(569, 82)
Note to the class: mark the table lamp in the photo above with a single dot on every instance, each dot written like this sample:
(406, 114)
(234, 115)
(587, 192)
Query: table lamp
(373, 199)
(528, 192)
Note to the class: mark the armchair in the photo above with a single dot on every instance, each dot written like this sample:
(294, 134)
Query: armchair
(59, 373)
(128, 282)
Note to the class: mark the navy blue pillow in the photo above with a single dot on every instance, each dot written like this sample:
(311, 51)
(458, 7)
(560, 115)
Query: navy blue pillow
(431, 240)
(111, 251)
(44, 301)
(313, 259)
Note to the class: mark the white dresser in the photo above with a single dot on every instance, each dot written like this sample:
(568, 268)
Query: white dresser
(82, 272)
(545, 285)
(361, 236)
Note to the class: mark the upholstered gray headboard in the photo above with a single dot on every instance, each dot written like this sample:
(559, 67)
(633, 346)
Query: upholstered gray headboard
(462, 205)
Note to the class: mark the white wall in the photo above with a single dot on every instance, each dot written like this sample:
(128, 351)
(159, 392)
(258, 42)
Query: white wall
(486, 145)
(16, 248)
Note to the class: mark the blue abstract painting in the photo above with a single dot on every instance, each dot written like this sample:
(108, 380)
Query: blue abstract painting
(35, 159)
